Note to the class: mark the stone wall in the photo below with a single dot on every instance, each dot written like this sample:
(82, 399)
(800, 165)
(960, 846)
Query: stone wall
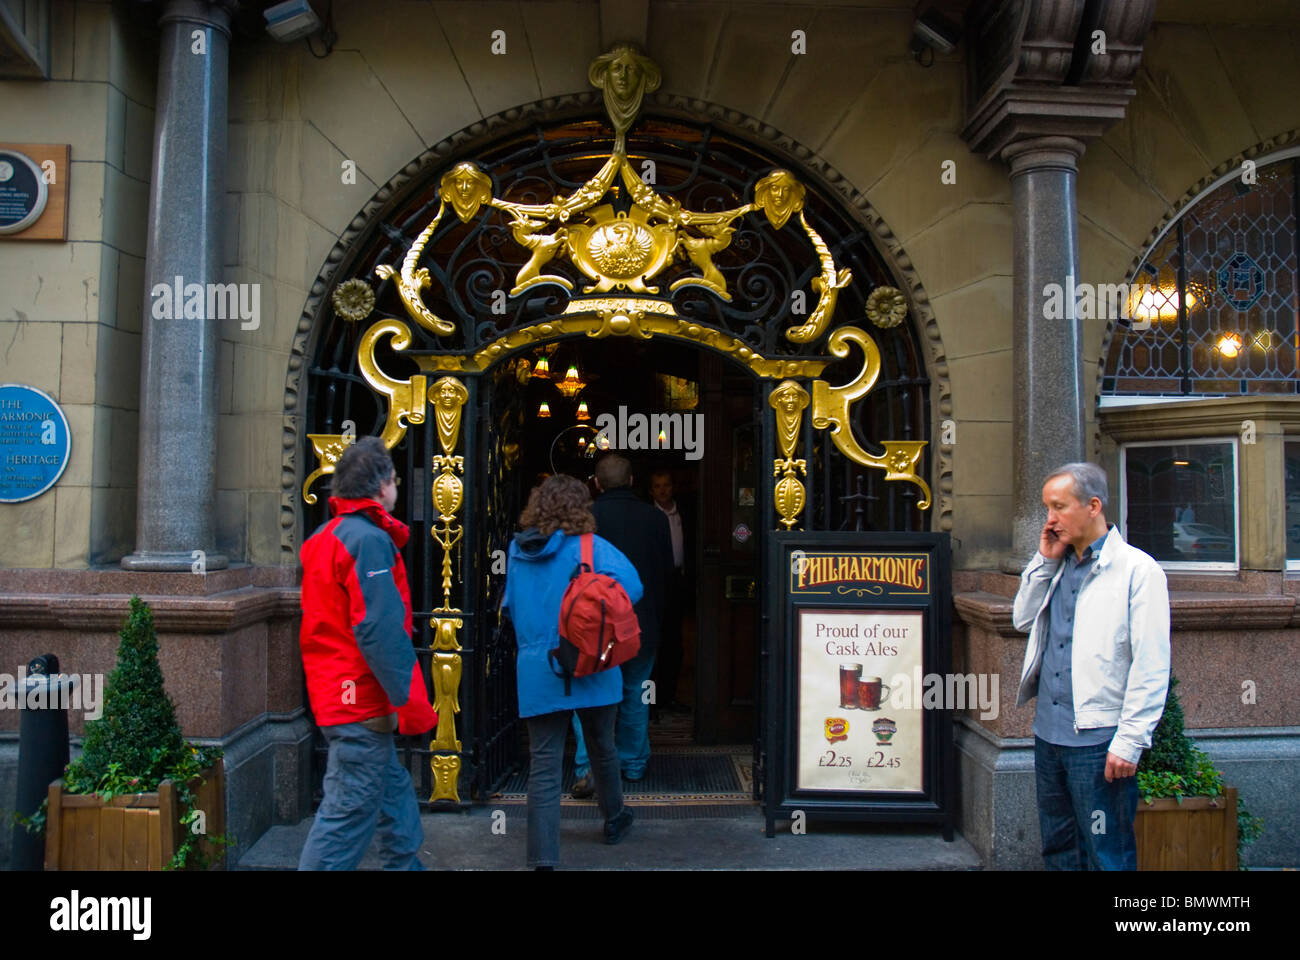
(70, 312)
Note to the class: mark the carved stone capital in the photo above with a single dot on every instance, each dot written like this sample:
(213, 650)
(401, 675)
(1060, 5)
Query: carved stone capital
(1038, 153)
(1036, 69)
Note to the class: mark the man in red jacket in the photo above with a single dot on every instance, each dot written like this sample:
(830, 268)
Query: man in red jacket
(363, 679)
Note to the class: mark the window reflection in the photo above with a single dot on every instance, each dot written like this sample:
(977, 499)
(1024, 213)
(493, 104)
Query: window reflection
(1180, 501)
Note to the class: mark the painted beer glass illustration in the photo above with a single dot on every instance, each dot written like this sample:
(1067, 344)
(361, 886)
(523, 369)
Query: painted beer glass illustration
(871, 692)
(850, 673)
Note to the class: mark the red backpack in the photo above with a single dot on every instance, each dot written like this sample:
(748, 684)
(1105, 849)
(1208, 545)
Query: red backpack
(598, 627)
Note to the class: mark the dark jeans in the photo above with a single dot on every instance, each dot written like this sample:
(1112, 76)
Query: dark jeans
(1086, 823)
(546, 735)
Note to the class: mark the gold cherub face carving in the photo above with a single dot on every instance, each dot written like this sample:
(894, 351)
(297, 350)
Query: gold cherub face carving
(451, 393)
(779, 195)
(625, 75)
(466, 188)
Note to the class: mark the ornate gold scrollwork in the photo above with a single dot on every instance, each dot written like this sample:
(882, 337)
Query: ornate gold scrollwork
(412, 279)
(446, 777)
(789, 400)
(831, 409)
(405, 397)
(405, 402)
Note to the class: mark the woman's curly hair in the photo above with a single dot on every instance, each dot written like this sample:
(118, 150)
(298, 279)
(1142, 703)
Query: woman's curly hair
(559, 503)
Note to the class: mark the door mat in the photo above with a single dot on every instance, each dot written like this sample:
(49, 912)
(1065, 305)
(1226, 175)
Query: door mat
(677, 779)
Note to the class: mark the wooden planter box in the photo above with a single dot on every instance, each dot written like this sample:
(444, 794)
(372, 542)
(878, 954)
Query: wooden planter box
(1198, 834)
(138, 831)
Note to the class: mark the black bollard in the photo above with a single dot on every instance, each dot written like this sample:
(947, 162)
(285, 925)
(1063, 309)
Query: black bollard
(42, 751)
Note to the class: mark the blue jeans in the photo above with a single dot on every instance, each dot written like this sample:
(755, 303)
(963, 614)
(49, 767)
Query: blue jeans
(1086, 823)
(366, 789)
(546, 734)
(632, 733)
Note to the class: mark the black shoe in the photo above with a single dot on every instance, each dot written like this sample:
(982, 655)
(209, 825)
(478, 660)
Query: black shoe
(583, 789)
(617, 828)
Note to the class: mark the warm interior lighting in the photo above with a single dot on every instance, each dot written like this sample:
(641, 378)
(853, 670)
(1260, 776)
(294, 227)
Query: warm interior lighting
(583, 414)
(663, 437)
(1157, 303)
(582, 441)
(602, 441)
(1229, 345)
(1180, 463)
(542, 371)
(1264, 341)
(544, 410)
(571, 383)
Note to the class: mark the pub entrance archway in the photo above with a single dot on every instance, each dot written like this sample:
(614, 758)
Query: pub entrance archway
(672, 228)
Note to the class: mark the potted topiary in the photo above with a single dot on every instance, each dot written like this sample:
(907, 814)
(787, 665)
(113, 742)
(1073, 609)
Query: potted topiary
(1187, 819)
(139, 797)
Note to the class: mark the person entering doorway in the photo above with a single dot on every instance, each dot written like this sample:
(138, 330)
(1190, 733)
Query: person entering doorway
(641, 532)
(668, 663)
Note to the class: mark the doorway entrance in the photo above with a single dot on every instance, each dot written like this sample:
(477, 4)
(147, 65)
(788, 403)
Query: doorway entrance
(688, 421)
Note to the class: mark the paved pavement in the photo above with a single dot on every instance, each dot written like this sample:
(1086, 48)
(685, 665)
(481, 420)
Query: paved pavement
(467, 841)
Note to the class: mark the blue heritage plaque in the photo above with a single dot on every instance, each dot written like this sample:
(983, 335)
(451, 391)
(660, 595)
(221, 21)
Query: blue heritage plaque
(23, 193)
(34, 442)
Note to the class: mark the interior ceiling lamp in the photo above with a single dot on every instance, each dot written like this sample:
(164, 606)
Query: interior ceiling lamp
(1229, 345)
(291, 20)
(542, 369)
(544, 410)
(572, 383)
(1158, 303)
(583, 414)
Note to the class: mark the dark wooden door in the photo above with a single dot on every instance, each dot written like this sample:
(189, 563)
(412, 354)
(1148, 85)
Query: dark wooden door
(730, 542)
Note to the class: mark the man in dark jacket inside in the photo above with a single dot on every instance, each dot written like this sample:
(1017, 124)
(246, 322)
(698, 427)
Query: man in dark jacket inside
(363, 679)
(640, 531)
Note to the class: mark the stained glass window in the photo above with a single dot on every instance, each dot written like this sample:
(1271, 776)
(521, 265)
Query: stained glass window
(1213, 309)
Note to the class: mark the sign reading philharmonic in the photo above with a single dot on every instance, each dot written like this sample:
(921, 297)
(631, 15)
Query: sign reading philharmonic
(34, 442)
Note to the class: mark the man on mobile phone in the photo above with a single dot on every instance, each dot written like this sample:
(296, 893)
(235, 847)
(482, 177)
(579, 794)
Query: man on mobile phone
(1097, 612)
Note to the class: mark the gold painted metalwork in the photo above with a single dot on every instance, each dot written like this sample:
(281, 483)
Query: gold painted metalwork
(624, 75)
(405, 402)
(329, 447)
(353, 300)
(831, 409)
(446, 776)
(446, 699)
(828, 285)
(640, 317)
(618, 250)
(448, 397)
(405, 397)
(886, 307)
(789, 400)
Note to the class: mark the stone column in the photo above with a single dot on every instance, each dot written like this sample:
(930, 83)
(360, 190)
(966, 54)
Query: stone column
(178, 362)
(1047, 362)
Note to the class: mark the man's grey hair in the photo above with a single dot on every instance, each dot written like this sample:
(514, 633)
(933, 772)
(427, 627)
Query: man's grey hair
(1089, 481)
(613, 471)
(364, 467)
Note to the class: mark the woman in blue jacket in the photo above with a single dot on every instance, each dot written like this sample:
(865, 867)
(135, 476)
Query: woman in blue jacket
(543, 558)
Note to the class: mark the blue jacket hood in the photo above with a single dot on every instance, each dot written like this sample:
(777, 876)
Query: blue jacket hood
(532, 544)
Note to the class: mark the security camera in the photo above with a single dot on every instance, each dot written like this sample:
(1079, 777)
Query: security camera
(291, 20)
(932, 31)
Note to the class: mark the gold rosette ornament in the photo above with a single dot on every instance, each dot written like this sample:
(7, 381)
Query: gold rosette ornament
(353, 300)
(886, 307)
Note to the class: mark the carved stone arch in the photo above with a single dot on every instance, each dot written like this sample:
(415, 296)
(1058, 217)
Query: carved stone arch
(1192, 195)
(341, 259)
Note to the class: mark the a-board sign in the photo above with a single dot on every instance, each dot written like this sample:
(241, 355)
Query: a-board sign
(34, 442)
(859, 620)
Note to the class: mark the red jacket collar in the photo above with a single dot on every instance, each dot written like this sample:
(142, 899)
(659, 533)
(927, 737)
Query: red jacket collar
(373, 509)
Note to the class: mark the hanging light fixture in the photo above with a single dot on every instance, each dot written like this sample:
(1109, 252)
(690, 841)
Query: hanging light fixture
(544, 410)
(582, 411)
(542, 369)
(572, 383)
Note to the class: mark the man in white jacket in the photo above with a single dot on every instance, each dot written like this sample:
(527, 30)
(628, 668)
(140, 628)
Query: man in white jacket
(1097, 613)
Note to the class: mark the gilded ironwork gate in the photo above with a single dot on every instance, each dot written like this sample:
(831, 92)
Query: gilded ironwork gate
(594, 228)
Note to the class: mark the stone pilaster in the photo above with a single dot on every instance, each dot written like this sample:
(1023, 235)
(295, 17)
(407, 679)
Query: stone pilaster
(178, 380)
